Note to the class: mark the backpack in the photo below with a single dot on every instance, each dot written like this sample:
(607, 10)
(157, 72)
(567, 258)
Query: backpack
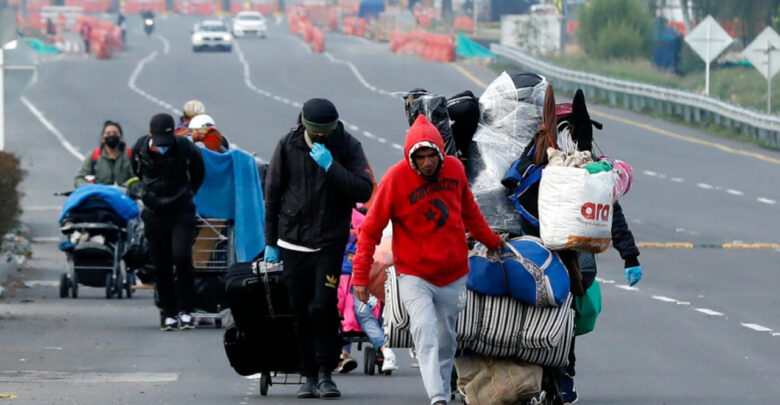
(434, 107)
(155, 192)
(464, 115)
(96, 155)
(522, 179)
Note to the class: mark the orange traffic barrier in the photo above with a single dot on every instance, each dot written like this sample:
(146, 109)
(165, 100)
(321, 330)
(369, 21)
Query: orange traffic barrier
(318, 41)
(439, 48)
(463, 23)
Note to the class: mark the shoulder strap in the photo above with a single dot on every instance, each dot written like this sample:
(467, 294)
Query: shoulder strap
(95, 157)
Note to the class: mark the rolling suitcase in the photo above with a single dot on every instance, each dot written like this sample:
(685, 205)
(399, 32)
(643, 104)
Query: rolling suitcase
(261, 337)
(256, 294)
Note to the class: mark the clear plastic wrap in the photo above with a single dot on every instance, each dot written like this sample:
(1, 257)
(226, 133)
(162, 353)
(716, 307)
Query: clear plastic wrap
(510, 117)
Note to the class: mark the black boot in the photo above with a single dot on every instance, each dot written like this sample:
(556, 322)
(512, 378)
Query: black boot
(308, 389)
(326, 387)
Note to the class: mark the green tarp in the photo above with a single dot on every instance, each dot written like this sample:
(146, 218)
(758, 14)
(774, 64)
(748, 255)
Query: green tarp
(466, 48)
(40, 47)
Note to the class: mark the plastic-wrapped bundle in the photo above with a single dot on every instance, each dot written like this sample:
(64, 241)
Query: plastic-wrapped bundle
(434, 107)
(511, 113)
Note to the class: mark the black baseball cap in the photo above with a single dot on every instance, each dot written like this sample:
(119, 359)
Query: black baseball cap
(162, 126)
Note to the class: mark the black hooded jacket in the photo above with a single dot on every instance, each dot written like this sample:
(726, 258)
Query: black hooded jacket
(304, 204)
(170, 181)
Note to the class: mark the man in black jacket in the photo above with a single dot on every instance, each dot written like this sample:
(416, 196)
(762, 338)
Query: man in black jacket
(171, 171)
(316, 175)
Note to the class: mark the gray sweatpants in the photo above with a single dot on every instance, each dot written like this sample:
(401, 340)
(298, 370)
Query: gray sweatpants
(433, 312)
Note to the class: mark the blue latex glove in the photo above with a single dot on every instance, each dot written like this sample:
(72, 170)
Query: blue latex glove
(321, 155)
(271, 254)
(633, 275)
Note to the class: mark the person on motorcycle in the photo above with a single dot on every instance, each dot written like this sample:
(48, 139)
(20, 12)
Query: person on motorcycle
(109, 163)
(148, 21)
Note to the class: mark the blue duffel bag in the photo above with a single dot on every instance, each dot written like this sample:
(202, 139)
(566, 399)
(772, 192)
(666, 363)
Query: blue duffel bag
(527, 271)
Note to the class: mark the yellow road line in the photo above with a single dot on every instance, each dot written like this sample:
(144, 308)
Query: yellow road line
(751, 246)
(685, 138)
(668, 245)
(649, 127)
(469, 75)
(688, 245)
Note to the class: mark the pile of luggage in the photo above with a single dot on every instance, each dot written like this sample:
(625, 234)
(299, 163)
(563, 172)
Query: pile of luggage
(522, 308)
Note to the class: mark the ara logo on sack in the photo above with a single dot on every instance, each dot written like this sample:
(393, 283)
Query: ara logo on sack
(596, 212)
(575, 209)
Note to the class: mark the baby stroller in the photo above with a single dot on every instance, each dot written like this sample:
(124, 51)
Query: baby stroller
(94, 222)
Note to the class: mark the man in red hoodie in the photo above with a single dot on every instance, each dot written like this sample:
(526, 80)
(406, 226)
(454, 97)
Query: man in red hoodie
(426, 195)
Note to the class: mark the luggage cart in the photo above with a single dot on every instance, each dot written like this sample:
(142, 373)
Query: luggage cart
(213, 251)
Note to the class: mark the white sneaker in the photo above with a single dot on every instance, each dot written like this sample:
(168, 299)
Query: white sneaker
(186, 321)
(389, 364)
(170, 323)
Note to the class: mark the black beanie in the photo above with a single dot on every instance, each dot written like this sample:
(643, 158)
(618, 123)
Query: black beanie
(319, 115)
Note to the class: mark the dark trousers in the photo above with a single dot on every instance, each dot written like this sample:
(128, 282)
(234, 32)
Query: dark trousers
(313, 280)
(170, 244)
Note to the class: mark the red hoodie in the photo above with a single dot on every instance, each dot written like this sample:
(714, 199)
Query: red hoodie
(429, 218)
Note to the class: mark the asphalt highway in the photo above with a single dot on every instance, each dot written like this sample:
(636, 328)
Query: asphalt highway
(702, 327)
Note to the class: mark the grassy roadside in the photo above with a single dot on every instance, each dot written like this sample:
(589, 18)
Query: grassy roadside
(740, 85)
(705, 124)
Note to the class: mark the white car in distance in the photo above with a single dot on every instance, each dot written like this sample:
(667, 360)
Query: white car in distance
(249, 23)
(211, 34)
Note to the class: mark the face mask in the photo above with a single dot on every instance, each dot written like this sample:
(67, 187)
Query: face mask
(323, 139)
(162, 149)
(112, 141)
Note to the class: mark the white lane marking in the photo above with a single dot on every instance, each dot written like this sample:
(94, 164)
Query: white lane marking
(710, 312)
(30, 376)
(52, 348)
(664, 299)
(166, 44)
(734, 192)
(677, 180)
(683, 303)
(765, 200)
(704, 186)
(67, 145)
(248, 83)
(46, 239)
(253, 376)
(650, 173)
(756, 327)
(357, 74)
(134, 76)
(44, 283)
(627, 288)
(397, 146)
(775, 334)
(601, 280)
(42, 208)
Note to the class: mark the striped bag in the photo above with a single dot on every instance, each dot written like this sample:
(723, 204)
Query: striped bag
(396, 319)
(505, 327)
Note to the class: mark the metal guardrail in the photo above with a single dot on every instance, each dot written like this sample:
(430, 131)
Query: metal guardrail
(690, 106)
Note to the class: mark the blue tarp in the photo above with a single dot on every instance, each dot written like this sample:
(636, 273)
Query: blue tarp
(466, 48)
(371, 8)
(122, 204)
(668, 44)
(232, 190)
